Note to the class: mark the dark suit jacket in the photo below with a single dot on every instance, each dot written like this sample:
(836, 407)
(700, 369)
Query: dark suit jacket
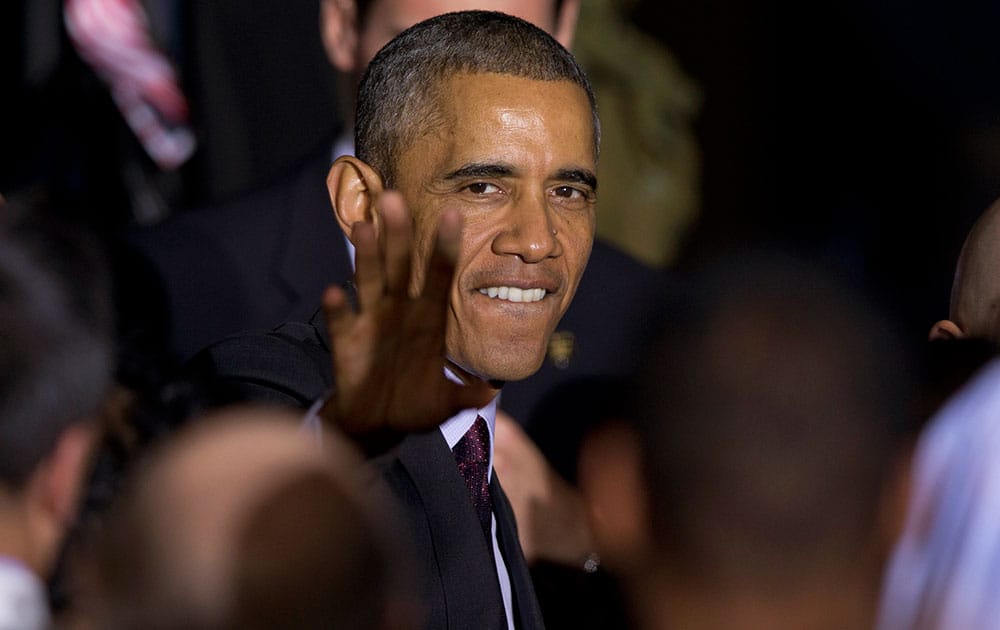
(454, 570)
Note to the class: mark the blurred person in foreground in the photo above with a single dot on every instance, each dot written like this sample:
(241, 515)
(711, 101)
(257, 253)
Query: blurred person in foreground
(959, 346)
(240, 520)
(944, 569)
(756, 482)
(56, 365)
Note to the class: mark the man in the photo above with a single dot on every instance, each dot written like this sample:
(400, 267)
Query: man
(209, 534)
(487, 128)
(976, 287)
(56, 368)
(757, 482)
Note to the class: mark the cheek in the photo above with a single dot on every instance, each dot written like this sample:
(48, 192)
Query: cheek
(478, 231)
(579, 239)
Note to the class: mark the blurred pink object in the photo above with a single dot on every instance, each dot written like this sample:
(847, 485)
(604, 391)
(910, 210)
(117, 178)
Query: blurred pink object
(113, 37)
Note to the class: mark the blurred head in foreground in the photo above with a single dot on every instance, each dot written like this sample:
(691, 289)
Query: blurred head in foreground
(760, 448)
(56, 364)
(243, 521)
(975, 289)
(55, 371)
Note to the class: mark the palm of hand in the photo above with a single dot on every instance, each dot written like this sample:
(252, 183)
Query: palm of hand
(389, 354)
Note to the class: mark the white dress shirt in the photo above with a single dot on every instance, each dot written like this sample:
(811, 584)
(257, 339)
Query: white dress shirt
(24, 604)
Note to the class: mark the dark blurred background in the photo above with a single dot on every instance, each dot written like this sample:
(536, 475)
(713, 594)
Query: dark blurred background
(864, 130)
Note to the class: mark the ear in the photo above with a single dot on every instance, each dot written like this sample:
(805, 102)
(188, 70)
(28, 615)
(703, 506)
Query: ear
(610, 474)
(65, 470)
(354, 186)
(339, 28)
(569, 12)
(945, 329)
(52, 494)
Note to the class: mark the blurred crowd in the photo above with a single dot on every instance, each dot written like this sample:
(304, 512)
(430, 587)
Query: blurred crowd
(267, 363)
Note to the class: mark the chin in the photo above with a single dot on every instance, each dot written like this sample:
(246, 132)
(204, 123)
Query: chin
(512, 366)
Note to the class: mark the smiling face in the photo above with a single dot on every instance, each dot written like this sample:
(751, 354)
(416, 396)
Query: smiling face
(516, 157)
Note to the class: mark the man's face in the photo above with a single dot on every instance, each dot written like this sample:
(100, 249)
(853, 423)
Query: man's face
(516, 157)
(388, 18)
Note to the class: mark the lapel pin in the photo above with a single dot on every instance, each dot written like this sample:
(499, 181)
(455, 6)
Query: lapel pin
(561, 348)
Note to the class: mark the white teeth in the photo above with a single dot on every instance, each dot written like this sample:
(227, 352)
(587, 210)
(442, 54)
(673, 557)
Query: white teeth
(514, 294)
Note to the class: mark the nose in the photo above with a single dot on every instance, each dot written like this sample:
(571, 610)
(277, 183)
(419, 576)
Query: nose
(528, 231)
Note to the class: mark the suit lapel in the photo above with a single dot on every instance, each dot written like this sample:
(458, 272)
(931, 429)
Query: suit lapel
(464, 562)
(526, 607)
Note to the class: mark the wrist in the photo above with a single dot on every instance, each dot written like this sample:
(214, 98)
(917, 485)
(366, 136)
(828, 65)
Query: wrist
(372, 441)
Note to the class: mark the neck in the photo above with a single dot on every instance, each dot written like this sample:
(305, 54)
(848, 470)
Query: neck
(468, 377)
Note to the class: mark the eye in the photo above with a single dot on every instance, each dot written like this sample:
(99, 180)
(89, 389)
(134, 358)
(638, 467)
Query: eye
(482, 188)
(569, 192)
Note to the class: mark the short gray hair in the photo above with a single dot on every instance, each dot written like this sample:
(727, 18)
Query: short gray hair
(399, 89)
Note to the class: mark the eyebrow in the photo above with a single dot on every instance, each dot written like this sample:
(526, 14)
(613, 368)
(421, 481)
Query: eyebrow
(486, 169)
(480, 169)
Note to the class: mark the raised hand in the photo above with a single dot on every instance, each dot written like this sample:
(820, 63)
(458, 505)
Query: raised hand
(389, 351)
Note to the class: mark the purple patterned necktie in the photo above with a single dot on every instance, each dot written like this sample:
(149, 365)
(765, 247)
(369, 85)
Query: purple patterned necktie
(472, 453)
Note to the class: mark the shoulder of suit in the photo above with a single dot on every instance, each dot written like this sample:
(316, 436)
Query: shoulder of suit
(289, 365)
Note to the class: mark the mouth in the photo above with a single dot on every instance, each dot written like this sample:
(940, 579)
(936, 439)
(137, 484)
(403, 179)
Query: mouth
(514, 294)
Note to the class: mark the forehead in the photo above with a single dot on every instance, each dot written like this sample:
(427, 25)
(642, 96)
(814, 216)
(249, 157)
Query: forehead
(509, 114)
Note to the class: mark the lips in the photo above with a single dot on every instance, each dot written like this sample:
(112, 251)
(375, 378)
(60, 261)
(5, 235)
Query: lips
(514, 294)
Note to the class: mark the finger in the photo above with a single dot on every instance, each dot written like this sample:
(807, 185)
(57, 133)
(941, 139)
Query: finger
(441, 267)
(369, 277)
(338, 311)
(397, 238)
